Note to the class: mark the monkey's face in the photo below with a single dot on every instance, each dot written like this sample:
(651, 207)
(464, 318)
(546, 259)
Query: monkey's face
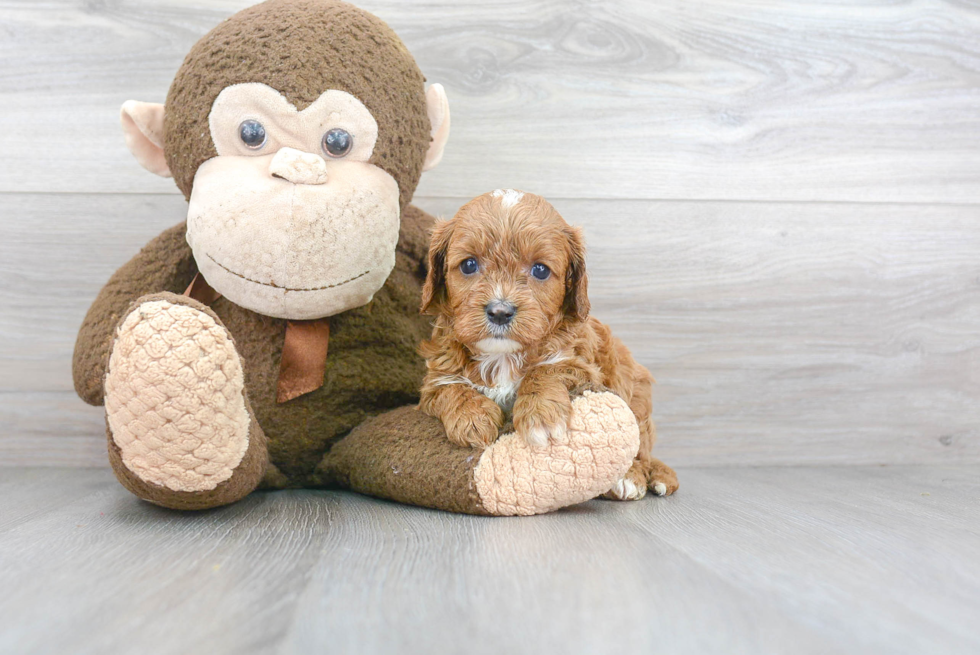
(290, 220)
(294, 214)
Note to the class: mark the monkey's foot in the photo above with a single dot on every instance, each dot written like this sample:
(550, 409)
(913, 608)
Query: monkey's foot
(597, 449)
(181, 433)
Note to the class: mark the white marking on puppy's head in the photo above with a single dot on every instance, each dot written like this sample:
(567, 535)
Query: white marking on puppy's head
(508, 197)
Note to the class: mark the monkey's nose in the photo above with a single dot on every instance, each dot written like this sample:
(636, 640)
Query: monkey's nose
(500, 312)
(298, 167)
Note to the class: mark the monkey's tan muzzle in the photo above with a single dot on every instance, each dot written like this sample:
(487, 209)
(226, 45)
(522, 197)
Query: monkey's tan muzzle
(298, 167)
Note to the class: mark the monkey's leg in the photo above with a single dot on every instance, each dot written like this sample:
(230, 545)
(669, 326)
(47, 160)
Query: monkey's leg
(181, 432)
(404, 455)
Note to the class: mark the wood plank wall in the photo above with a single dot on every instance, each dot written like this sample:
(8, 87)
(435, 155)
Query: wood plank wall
(782, 201)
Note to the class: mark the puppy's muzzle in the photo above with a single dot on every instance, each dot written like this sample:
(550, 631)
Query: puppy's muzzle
(500, 312)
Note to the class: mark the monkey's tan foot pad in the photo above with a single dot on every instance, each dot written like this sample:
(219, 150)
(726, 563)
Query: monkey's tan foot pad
(598, 448)
(175, 397)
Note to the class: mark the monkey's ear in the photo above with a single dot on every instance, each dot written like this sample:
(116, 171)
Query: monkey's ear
(438, 110)
(576, 303)
(434, 289)
(142, 124)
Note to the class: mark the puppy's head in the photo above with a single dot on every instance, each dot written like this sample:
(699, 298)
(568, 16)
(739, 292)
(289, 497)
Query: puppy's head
(505, 272)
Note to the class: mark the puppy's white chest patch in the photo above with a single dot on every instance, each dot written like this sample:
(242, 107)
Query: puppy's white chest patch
(502, 394)
(503, 369)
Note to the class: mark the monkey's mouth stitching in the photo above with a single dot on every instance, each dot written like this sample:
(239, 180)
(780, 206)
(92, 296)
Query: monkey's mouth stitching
(276, 286)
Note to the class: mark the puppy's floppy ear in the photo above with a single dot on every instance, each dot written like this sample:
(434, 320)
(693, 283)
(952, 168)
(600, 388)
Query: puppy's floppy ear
(576, 303)
(434, 289)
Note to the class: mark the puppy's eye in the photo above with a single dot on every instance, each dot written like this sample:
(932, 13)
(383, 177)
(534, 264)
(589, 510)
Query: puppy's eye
(469, 266)
(252, 134)
(540, 272)
(337, 142)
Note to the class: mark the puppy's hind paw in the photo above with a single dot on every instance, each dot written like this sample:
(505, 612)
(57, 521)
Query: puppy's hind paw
(661, 479)
(626, 489)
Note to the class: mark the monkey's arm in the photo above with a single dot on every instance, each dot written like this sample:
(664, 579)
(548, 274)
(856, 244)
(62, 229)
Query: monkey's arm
(404, 455)
(164, 264)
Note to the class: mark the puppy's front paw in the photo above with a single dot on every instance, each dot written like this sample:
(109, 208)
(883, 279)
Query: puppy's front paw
(474, 424)
(539, 420)
(539, 435)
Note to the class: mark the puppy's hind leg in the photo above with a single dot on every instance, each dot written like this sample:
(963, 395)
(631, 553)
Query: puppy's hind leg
(660, 478)
(646, 472)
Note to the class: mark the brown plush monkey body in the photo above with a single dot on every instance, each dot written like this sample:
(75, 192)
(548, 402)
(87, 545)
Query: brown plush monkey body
(372, 364)
(298, 130)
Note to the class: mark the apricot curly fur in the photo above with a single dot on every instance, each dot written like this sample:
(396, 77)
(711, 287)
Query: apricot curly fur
(551, 346)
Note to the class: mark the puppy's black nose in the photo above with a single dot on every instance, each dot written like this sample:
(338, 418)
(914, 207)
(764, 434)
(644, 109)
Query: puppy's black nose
(500, 313)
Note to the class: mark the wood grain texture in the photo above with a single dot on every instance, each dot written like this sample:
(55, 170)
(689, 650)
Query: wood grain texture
(868, 526)
(758, 560)
(865, 101)
(50, 428)
(779, 333)
(797, 333)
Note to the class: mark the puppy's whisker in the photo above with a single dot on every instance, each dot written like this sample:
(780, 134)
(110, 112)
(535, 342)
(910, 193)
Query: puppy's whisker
(497, 331)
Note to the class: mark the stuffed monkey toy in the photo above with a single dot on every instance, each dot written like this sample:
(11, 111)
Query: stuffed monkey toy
(271, 340)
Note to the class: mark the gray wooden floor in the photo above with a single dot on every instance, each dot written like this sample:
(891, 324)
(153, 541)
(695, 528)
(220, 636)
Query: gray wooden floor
(741, 560)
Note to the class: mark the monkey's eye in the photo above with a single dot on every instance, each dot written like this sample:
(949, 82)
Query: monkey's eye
(469, 266)
(540, 272)
(252, 134)
(337, 142)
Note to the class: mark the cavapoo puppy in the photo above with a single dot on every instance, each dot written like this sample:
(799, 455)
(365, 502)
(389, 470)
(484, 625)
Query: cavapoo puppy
(513, 336)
